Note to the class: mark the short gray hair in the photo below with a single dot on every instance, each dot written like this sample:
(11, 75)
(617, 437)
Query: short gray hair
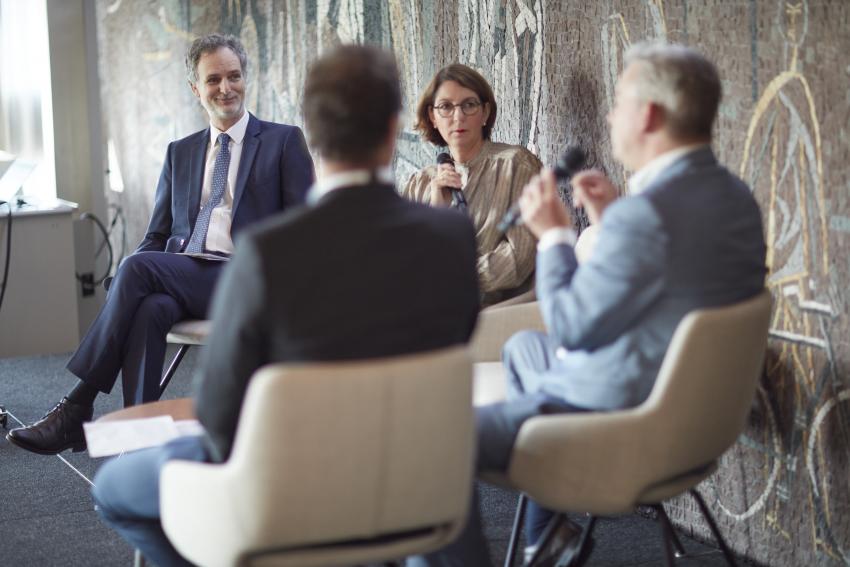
(682, 81)
(210, 44)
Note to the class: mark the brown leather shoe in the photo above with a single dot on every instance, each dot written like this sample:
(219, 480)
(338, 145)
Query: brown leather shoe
(61, 428)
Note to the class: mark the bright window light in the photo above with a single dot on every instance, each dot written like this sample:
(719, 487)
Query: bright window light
(26, 106)
(116, 180)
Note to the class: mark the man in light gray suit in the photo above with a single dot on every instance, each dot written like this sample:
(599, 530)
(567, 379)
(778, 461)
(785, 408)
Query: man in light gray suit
(687, 236)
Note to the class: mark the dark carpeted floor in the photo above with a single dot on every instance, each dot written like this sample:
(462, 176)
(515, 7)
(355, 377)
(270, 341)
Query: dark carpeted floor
(47, 518)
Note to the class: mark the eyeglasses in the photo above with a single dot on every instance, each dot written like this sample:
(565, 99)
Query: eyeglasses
(468, 107)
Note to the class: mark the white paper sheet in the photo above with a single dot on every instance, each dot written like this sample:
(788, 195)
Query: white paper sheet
(114, 437)
(189, 427)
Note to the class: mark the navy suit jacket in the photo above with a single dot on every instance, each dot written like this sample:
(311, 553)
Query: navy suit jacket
(275, 172)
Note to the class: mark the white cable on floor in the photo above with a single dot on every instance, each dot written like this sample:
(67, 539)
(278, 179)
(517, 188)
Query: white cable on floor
(61, 458)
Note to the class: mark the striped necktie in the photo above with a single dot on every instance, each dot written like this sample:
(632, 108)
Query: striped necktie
(219, 183)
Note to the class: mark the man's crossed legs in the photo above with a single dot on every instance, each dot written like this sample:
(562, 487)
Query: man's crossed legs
(151, 292)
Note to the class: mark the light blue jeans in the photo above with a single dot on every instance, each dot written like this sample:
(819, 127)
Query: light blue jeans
(526, 356)
(126, 491)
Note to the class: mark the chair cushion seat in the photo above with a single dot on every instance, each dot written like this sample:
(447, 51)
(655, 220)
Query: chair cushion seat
(190, 332)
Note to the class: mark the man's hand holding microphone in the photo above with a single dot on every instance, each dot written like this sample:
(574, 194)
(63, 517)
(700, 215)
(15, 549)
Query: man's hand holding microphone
(541, 206)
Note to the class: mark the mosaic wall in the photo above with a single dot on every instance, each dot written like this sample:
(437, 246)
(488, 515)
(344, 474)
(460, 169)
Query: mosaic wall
(783, 492)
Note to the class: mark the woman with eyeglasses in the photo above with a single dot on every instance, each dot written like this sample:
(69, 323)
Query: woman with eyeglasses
(458, 110)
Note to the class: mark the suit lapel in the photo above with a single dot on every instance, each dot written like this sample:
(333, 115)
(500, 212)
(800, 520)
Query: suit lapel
(250, 145)
(197, 160)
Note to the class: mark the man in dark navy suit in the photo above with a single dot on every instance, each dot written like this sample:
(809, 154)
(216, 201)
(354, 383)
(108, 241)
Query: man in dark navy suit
(213, 184)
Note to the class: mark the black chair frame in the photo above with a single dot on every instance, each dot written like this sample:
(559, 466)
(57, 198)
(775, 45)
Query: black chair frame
(571, 557)
(172, 367)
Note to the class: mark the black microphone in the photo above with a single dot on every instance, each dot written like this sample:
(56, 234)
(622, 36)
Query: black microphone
(458, 200)
(570, 162)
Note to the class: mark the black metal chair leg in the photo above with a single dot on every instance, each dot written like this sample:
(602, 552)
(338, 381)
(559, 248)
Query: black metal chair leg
(519, 519)
(172, 368)
(546, 537)
(669, 529)
(666, 543)
(585, 545)
(4, 417)
(730, 559)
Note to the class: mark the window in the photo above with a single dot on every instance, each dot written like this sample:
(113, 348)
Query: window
(26, 106)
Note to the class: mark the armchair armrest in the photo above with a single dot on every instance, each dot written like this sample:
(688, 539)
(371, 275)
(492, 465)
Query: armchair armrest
(200, 495)
(496, 325)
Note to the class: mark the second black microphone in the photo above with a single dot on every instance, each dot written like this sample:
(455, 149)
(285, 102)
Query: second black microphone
(569, 164)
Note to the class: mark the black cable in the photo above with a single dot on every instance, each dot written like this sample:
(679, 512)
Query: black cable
(8, 251)
(3, 413)
(95, 220)
(103, 242)
(119, 213)
(123, 239)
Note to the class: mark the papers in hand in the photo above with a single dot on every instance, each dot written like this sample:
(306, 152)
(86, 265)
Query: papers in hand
(107, 438)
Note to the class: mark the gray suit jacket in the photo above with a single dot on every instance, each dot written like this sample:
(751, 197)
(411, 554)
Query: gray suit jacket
(692, 239)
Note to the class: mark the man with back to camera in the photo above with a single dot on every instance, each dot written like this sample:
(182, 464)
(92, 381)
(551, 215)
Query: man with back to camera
(213, 184)
(374, 275)
(688, 236)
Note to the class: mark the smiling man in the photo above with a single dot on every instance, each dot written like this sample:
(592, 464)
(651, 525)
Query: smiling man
(213, 184)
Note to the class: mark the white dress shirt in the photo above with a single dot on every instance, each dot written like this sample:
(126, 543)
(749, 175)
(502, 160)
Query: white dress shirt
(557, 235)
(327, 183)
(644, 177)
(218, 234)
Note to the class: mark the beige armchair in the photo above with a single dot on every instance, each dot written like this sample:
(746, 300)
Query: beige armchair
(609, 463)
(498, 322)
(495, 326)
(333, 464)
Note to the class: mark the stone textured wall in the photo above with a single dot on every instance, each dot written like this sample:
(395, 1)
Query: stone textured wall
(782, 492)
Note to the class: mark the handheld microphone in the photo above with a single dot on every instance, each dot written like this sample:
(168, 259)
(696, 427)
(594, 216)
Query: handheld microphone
(570, 162)
(458, 200)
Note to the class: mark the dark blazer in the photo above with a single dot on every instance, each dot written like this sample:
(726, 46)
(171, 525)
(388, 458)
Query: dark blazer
(275, 171)
(363, 273)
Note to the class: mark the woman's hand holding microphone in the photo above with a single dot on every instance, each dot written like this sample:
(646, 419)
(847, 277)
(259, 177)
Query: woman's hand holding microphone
(446, 180)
